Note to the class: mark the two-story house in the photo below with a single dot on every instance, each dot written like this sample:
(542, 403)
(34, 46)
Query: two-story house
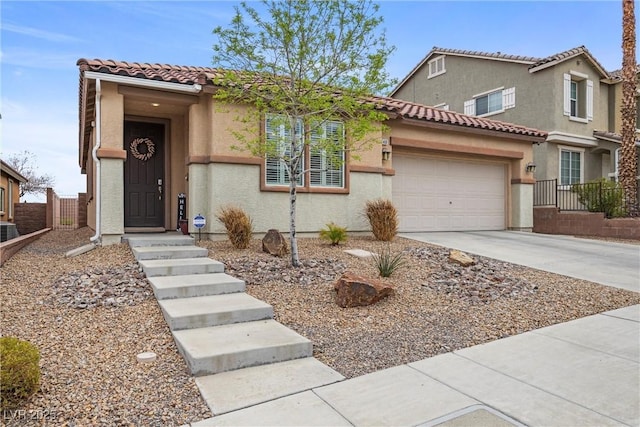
(570, 95)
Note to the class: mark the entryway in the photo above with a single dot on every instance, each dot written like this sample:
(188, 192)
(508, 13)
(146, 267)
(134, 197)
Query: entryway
(144, 176)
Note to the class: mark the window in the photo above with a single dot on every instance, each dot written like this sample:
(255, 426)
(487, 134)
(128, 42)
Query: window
(327, 155)
(578, 97)
(570, 167)
(278, 135)
(491, 102)
(2, 200)
(10, 199)
(324, 155)
(436, 67)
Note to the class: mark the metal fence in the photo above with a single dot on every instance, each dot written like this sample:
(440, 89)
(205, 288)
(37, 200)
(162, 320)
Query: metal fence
(599, 196)
(65, 212)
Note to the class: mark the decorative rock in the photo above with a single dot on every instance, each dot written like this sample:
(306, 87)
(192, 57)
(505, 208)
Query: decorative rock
(146, 357)
(274, 243)
(353, 290)
(461, 258)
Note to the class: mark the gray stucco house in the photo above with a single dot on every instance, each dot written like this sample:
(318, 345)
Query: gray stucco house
(569, 94)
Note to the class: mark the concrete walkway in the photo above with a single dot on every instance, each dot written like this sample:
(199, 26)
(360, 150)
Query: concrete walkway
(607, 263)
(581, 373)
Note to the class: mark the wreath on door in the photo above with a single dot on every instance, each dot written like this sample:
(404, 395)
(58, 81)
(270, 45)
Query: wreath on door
(135, 151)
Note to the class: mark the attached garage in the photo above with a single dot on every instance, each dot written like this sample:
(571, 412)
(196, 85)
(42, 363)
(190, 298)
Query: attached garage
(441, 194)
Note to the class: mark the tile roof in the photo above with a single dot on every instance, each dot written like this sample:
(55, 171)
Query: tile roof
(161, 72)
(611, 136)
(492, 55)
(617, 74)
(568, 54)
(411, 110)
(204, 75)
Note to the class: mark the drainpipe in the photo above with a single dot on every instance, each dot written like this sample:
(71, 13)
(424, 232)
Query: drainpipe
(96, 160)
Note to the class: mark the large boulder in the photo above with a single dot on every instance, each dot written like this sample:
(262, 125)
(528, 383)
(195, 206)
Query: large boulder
(353, 290)
(461, 258)
(274, 243)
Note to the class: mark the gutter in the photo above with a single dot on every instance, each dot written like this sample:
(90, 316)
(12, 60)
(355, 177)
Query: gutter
(135, 81)
(96, 160)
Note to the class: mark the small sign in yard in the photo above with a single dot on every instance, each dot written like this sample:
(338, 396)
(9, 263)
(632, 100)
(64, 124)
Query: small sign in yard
(198, 222)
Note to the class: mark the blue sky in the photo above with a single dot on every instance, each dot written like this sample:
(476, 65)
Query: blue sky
(41, 42)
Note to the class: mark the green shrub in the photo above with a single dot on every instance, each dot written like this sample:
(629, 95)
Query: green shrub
(238, 224)
(383, 218)
(19, 371)
(601, 195)
(387, 262)
(334, 234)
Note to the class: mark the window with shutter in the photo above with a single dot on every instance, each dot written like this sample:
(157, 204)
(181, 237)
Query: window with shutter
(278, 134)
(326, 157)
(470, 107)
(578, 97)
(436, 67)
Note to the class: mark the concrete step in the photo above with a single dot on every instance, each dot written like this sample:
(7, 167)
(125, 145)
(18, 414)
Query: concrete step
(158, 240)
(195, 285)
(240, 345)
(168, 252)
(233, 390)
(178, 267)
(214, 310)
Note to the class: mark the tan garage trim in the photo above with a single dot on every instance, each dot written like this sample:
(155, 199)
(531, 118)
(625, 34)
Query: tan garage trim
(467, 149)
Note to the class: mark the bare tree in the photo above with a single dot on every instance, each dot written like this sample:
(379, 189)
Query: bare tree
(24, 163)
(628, 167)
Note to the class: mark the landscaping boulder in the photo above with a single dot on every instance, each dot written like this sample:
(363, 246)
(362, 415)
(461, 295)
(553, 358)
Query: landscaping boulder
(353, 290)
(461, 258)
(274, 243)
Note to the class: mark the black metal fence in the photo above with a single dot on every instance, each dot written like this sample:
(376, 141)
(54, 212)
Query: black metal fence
(598, 196)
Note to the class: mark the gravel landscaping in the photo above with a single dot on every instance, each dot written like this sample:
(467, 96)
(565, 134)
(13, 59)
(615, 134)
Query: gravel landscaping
(91, 315)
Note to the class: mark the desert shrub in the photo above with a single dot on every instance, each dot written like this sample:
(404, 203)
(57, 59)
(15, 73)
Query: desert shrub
(334, 234)
(238, 224)
(383, 218)
(19, 371)
(601, 195)
(388, 262)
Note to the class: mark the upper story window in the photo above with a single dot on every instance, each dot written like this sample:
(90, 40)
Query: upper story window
(2, 202)
(491, 102)
(323, 152)
(578, 97)
(436, 67)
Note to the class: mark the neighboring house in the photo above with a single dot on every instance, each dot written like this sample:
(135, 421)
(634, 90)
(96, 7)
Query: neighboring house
(569, 95)
(150, 132)
(10, 181)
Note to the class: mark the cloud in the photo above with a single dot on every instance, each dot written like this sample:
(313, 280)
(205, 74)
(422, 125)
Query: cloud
(37, 33)
(39, 59)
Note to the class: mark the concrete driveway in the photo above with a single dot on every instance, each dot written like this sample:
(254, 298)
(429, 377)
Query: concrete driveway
(607, 263)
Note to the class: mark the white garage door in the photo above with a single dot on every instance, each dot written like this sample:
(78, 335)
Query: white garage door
(434, 194)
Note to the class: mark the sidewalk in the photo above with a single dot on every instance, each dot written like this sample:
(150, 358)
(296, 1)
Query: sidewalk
(581, 373)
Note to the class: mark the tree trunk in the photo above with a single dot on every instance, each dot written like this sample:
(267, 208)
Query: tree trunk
(295, 260)
(628, 167)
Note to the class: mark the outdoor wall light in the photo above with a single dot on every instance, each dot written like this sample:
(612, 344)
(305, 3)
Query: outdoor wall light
(530, 167)
(386, 152)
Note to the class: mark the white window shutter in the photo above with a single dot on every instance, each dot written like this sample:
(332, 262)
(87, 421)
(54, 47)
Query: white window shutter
(567, 94)
(589, 100)
(470, 107)
(509, 98)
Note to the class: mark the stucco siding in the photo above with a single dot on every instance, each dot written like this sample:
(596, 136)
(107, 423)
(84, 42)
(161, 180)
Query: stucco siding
(112, 204)
(521, 207)
(239, 185)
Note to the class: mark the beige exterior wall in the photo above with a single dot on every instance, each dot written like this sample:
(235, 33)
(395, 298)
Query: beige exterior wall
(11, 188)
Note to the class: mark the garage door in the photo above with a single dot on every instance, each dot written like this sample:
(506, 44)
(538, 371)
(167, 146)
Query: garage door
(434, 194)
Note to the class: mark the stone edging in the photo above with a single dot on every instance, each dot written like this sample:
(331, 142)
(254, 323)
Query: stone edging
(10, 247)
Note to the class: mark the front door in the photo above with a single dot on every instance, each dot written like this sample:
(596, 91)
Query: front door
(144, 174)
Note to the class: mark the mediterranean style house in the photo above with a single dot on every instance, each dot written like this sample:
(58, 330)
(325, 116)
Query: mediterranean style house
(569, 95)
(10, 181)
(151, 133)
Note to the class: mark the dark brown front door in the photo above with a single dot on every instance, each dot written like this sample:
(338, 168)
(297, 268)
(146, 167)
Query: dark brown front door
(144, 174)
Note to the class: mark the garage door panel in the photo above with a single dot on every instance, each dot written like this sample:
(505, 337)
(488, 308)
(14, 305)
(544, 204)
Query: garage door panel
(448, 195)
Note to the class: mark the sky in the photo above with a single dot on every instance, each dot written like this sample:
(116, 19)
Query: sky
(42, 41)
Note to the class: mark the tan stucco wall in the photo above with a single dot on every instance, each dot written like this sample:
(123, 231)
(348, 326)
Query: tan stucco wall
(15, 190)
(215, 185)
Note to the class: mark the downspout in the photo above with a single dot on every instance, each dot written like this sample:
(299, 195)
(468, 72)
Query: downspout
(96, 160)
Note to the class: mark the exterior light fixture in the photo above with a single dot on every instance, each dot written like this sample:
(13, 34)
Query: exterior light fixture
(386, 149)
(155, 104)
(530, 167)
